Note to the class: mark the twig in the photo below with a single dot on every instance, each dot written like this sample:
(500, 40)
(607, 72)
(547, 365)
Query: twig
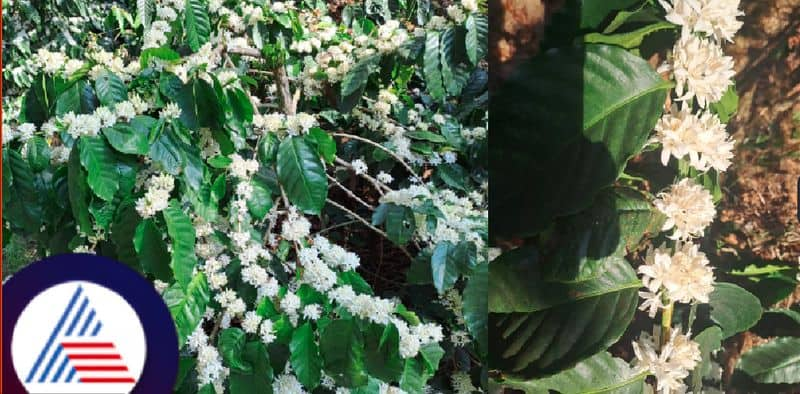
(378, 185)
(379, 146)
(368, 224)
(335, 226)
(350, 193)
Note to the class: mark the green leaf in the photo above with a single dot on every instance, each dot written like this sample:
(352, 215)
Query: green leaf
(726, 107)
(326, 146)
(455, 71)
(127, 139)
(260, 380)
(777, 361)
(231, 345)
(152, 251)
(451, 260)
(399, 220)
(538, 328)
(475, 310)
(778, 322)
(39, 100)
(101, 165)
(305, 358)
(477, 37)
(26, 196)
(38, 153)
(79, 193)
(342, 348)
(181, 231)
(627, 40)
(200, 106)
(302, 175)
(356, 78)
(591, 126)
(413, 379)
(426, 136)
(432, 65)
(110, 88)
(382, 352)
(601, 373)
(594, 12)
(733, 308)
(605, 232)
(163, 53)
(709, 340)
(187, 305)
(123, 230)
(166, 151)
(261, 201)
(196, 24)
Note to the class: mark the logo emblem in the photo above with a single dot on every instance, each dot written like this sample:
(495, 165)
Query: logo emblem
(93, 344)
(83, 324)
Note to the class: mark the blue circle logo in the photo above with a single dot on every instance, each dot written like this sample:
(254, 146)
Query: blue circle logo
(84, 324)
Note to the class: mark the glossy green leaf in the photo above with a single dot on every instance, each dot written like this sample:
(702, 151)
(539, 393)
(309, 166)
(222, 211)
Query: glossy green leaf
(37, 153)
(324, 143)
(231, 346)
(628, 40)
(432, 65)
(259, 381)
(710, 340)
(305, 358)
(110, 88)
(449, 261)
(382, 352)
(196, 24)
(587, 129)
(726, 107)
(538, 328)
(342, 347)
(127, 139)
(153, 255)
(79, 192)
(187, 305)
(477, 37)
(356, 78)
(600, 374)
(476, 295)
(181, 231)
(777, 361)
(260, 202)
(593, 12)
(100, 164)
(302, 175)
(399, 222)
(733, 308)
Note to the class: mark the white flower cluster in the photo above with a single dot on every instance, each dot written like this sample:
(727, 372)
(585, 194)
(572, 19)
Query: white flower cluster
(673, 363)
(714, 18)
(701, 137)
(682, 276)
(297, 124)
(689, 208)
(156, 199)
(701, 70)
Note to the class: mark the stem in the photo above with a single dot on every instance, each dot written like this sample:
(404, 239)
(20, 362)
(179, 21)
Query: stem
(692, 314)
(368, 224)
(379, 146)
(666, 323)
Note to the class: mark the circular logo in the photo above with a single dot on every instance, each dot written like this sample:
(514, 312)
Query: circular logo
(84, 324)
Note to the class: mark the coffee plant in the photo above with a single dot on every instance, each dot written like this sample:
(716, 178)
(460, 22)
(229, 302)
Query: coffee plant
(234, 151)
(607, 153)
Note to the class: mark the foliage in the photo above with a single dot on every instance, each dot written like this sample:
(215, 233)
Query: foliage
(230, 150)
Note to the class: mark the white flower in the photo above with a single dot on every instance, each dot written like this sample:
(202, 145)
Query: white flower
(242, 168)
(318, 275)
(251, 322)
(290, 303)
(287, 384)
(701, 70)
(26, 131)
(295, 227)
(456, 13)
(170, 111)
(156, 199)
(166, 13)
(684, 274)
(125, 110)
(450, 157)
(470, 5)
(312, 312)
(160, 286)
(266, 332)
(209, 365)
(672, 364)
(689, 208)
(384, 178)
(702, 137)
(359, 166)
(715, 18)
